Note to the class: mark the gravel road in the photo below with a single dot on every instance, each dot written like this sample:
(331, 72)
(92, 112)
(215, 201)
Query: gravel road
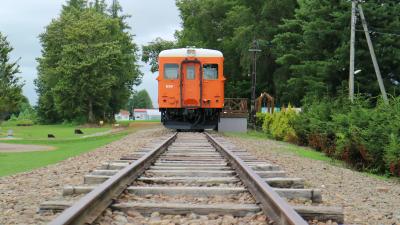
(366, 199)
(21, 194)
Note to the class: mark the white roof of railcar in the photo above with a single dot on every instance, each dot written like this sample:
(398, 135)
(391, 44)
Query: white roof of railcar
(188, 52)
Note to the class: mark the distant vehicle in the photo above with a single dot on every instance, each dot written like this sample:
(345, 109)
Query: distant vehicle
(191, 88)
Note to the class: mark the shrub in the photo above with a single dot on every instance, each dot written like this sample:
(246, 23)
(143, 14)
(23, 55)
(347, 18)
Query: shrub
(314, 125)
(267, 123)
(279, 125)
(25, 118)
(365, 134)
(260, 119)
(392, 155)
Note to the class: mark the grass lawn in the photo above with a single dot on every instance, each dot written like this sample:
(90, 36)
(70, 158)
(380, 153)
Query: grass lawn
(40, 131)
(11, 163)
(300, 151)
(66, 144)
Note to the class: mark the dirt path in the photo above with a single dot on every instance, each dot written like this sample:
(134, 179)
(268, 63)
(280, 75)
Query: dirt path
(4, 147)
(366, 199)
(21, 194)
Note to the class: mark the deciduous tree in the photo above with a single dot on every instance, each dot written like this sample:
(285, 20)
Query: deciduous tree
(88, 65)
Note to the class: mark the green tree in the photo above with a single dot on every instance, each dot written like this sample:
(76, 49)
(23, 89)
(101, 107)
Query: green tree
(231, 26)
(74, 6)
(312, 49)
(151, 51)
(304, 43)
(139, 100)
(88, 65)
(10, 85)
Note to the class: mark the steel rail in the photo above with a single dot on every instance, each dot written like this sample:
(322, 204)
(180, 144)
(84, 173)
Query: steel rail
(89, 207)
(271, 203)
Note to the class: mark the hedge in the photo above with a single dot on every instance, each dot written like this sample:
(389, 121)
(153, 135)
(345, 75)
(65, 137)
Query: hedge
(365, 134)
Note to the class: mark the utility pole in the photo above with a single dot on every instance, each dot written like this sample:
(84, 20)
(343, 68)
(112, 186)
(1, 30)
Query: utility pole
(373, 56)
(352, 48)
(254, 50)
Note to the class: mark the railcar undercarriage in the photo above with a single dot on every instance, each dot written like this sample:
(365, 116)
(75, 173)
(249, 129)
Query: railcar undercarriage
(190, 119)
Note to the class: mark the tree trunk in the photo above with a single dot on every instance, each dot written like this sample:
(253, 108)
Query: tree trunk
(90, 115)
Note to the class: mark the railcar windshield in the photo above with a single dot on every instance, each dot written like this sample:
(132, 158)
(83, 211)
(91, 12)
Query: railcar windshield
(171, 71)
(210, 71)
(190, 72)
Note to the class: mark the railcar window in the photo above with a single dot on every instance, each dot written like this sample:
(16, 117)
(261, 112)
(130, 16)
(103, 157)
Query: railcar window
(171, 71)
(210, 71)
(190, 73)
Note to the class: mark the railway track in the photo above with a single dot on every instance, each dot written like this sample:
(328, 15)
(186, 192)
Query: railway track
(189, 177)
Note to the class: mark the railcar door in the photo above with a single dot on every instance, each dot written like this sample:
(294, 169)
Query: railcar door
(191, 82)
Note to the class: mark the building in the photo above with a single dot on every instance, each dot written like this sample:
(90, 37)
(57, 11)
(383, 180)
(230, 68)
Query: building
(147, 114)
(154, 114)
(140, 114)
(122, 115)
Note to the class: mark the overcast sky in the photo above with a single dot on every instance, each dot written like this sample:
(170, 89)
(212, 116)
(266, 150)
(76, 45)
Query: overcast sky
(23, 20)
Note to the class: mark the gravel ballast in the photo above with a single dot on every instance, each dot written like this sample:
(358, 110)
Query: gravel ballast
(365, 199)
(21, 194)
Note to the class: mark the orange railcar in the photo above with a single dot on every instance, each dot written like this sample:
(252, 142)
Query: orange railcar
(191, 88)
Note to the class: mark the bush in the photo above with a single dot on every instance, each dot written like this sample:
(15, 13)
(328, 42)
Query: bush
(279, 125)
(365, 134)
(392, 155)
(25, 118)
(267, 123)
(260, 119)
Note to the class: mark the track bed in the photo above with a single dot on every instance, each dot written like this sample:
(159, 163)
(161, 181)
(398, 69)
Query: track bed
(190, 178)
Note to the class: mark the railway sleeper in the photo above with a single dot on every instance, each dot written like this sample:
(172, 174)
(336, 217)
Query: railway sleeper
(308, 194)
(296, 183)
(102, 175)
(218, 168)
(307, 212)
(191, 173)
(189, 180)
(179, 164)
(146, 208)
(320, 213)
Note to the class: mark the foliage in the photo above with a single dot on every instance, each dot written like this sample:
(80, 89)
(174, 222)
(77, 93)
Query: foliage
(362, 134)
(230, 26)
(304, 43)
(260, 117)
(88, 64)
(151, 51)
(139, 100)
(312, 49)
(266, 126)
(392, 155)
(279, 124)
(10, 85)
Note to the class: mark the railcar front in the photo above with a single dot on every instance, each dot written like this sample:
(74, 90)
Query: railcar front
(191, 88)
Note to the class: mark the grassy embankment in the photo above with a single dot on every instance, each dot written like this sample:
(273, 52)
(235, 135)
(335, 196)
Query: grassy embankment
(290, 148)
(66, 144)
(300, 151)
